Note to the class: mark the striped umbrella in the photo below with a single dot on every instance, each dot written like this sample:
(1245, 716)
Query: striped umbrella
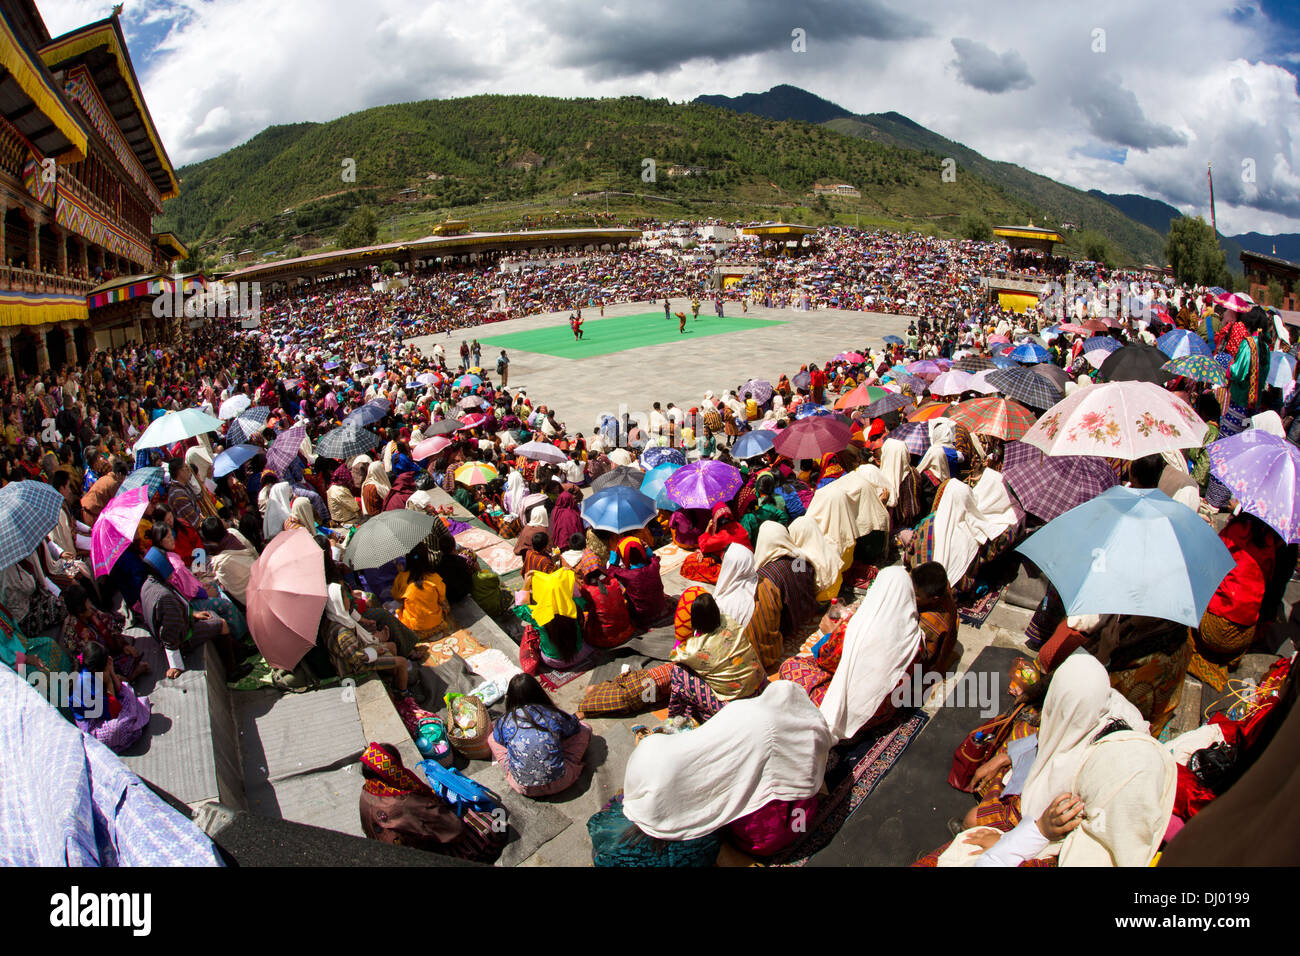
(29, 510)
(475, 473)
(154, 478)
(1199, 368)
(285, 449)
(994, 416)
(1180, 342)
(346, 441)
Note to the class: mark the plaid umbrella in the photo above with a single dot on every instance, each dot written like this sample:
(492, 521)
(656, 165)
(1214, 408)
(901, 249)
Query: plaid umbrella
(993, 416)
(915, 435)
(1103, 342)
(812, 438)
(1200, 368)
(913, 384)
(890, 402)
(619, 475)
(29, 510)
(1053, 373)
(284, 450)
(444, 427)
(759, 388)
(346, 441)
(1024, 386)
(802, 379)
(386, 537)
(973, 363)
(1050, 485)
(153, 478)
(247, 425)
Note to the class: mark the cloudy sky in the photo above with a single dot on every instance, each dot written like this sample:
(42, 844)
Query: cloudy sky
(1108, 94)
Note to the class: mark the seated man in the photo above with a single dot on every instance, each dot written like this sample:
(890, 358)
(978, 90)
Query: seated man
(937, 611)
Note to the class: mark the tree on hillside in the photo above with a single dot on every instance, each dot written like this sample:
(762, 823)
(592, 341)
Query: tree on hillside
(1275, 293)
(975, 226)
(1193, 251)
(360, 230)
(1096, 248)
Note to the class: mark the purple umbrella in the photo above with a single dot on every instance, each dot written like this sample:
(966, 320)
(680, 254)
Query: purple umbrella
(703, 484)
(759, 388)
(926, 369)
(812, 437)
(1263, 473)
(285, 449)
(915, 435)
(1050, 485)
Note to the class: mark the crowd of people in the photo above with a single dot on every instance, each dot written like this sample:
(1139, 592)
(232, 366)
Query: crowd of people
(818, 579)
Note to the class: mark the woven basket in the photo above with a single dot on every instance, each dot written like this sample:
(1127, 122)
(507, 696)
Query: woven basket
(474, 747)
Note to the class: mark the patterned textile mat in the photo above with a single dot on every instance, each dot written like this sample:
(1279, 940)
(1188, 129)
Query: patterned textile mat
(977, 613)
(851, 775)
(444, 649)
(501, 558)
(554, 680)
(475, 539)
(671, 557)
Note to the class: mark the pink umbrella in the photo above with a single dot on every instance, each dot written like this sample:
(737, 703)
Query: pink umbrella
(430, 447)
(472, 421)
(993, 339)
(1236, 302)
(115, 528)
(286, 595)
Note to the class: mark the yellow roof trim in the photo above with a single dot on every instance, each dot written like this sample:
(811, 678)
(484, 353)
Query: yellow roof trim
(105, 33)
(31, 79)
(171, 239)
(1042, 234)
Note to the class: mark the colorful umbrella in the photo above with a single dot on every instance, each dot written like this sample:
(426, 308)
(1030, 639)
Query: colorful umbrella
(29, 510)
(1180, 342)
(1235, 302)
(915, 435)
(1199, 368)
(1050, 485)
(929, 411)
(1131, 551)
(1135, 362)
(541, 451)
(176, 426)
(475, 473)
(430, 447)
(1026, 387)
(620, 476)
(862, 395)
(1263, 473)
(386, 537)
(705, 483)
(468, 381)
(115, 529)
(286, 595)
(812, 438)
(752, 444)
(152, 478)
(286, 448)
(997, 417)
(619, 509)
(1125, 420)
(346, 441)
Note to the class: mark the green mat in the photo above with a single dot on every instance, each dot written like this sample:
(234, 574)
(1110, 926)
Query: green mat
(617, 334)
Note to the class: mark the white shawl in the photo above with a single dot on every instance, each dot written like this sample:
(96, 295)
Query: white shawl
(880, 644)
(737, 584)
(774, 541)
(513, 498)
(993, 500)
(808, 538)
(893, 467)
(959, 530)
(278, 504)
(836, 512)
(753, 751)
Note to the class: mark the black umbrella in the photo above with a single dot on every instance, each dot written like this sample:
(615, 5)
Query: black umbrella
(1054, 373)
(444, 427)
(1136, 362)
(621, 475)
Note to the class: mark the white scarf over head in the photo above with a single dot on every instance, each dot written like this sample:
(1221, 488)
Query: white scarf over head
(880, 644)
(737, 584)
(753, 751)
(808, 538)
(894, 464)
(278, 503)
(835, 509)
(959, 530)
(773, 542)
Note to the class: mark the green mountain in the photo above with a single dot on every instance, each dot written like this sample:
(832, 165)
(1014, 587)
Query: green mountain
(495, 159)
(1057, 204)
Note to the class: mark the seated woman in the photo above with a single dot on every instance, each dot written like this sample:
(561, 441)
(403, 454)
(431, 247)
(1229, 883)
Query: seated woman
(768, 506)
(176, 626)
(201, 596)
(817, 551)
(554, 612)
(787, 568)
(757, 765)
(723, 530)
(103, 704)
(966, 529)
(608, 622)
(638, 572)
(566, 518)
(425, 609)
(716, 665)
(87, 625)
(341, 498)
(397, 807)
(938, 616)
(375, 489)
(539, 746)
(903, 502)
(879, 645)
(1228, 627)
(24, 590)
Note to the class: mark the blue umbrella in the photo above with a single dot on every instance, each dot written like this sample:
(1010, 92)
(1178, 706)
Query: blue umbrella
(753, 444)
(1030, 353)
(656, 455)
(232, 459)
(29, 510)
(1004, 361)
(1180, 342)
(1130, 551)
(1103, 342)
(893, 340)
(618, 509)
(1281, 370)
(369, 413)
(653, 485)
(153, 477)
(809, 410)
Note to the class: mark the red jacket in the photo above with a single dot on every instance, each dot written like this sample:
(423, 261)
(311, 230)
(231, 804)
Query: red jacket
(1241, 593)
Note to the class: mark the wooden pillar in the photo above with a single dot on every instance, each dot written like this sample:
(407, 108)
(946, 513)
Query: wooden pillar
(70, 343)
(61, 237)
(85, 258)
(6, 356)
(34, 248)
(42, 352)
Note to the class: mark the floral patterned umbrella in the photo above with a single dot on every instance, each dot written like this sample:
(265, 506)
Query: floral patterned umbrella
(1201, 368)
(1263, 473)
(1126, 420)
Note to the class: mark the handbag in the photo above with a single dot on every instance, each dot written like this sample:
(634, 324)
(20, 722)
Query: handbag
(980, 744)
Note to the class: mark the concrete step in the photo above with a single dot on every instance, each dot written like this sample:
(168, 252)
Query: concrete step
(1009, 618)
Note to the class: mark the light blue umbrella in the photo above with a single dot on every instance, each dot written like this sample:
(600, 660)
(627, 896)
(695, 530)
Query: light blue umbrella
(753, 444)
(1130, 551)
(152, 477)
(618, 509)
(177, 426)
(652, 486)
(1030, 353)
(234, 458)
(1281, 369)
(1178, 343)
(893, 340)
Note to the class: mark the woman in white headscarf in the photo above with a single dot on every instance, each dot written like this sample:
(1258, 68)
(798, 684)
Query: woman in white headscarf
(375, 489)
(835, 509)
(900, 478)
(200, 462)
(881, 643)
(812, 544)
(278, 504)
(513, 496)
(737, 584)
(964, 528)
(758, 758)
